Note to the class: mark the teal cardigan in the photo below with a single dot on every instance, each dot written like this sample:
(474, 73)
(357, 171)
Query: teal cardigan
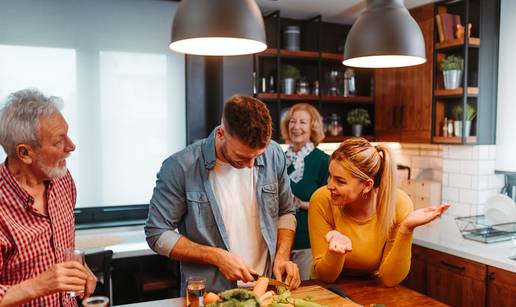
(315, 175)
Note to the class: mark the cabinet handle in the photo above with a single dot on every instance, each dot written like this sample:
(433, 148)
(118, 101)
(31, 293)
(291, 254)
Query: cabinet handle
(491, 276)
(394, 122)
(453, 266)
(402, 110)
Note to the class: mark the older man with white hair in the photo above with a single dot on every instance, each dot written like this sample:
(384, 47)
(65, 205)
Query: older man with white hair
(37, 198)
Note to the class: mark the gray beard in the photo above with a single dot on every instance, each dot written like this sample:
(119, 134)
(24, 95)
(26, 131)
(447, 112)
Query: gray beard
(52, 172)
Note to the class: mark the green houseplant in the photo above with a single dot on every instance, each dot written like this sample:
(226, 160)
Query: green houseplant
(289, 74)
(452, 67)
(459, 115)
(358, 118)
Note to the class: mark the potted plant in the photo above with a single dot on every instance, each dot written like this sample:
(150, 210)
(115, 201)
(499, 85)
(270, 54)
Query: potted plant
(452, 67)
(471, 113)
(458, 116)
(289, 74)
(358, 118)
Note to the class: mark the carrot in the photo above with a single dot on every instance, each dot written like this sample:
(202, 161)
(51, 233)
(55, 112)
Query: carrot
(210, 298)
(261, 286)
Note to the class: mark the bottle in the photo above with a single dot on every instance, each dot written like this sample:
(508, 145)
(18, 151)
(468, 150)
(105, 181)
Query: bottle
(445, 127)
(450, 127)
(316, 88)
(272, 88)
(254, 84)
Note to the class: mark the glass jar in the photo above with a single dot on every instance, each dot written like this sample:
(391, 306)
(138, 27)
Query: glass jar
(334, 125)
(303, 88)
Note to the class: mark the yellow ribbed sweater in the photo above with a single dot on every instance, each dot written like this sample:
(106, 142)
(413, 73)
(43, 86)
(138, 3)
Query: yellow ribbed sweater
(387, 258)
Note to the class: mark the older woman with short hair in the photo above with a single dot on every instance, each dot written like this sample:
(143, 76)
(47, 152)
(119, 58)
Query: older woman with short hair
(307, 166)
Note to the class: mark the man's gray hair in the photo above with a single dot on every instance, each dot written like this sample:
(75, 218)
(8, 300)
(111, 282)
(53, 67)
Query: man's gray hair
(20, 118)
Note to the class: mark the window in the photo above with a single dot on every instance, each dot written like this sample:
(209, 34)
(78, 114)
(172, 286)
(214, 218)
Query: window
(123, 89)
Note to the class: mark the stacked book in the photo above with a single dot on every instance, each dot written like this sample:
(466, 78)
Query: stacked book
(447, 25)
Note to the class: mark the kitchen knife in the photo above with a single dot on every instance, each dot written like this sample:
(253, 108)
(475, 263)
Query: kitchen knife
(272, 282)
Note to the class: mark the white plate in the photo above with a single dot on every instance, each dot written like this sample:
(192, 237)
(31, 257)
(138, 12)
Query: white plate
(500, 209)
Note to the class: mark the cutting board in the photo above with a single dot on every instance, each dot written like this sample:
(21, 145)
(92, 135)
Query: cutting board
(323, 296)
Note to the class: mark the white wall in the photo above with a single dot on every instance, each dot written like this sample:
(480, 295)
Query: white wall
(506, 117)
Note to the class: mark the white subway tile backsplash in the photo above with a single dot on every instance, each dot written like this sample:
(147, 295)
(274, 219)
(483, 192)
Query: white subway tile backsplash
(451, 166)
(486, 167)
(460, 181)
(451, 194)
(461, 152)
(469, 167)
(445, 179)
(483, 152)
(479, 182)
(492, 152)
(469, 196)
(459, 209)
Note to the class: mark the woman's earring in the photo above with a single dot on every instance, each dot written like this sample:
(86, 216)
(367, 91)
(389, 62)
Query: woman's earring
(364, 195)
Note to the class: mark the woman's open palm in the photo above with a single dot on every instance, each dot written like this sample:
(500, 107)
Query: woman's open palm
(422, 216)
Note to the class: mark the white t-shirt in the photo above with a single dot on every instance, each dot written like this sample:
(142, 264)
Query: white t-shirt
(235, 191)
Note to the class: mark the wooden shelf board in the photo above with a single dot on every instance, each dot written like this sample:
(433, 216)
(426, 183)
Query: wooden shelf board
(349, 99)
(456, 92)
(267, 96)
(300, 53)
(332, 56)
(269, 52)
(340, 138)
(473, 42)
(453, 140)
(298, 97)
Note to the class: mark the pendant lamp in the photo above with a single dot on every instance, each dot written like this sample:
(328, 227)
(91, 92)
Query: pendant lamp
(384, 35)
(218, 27)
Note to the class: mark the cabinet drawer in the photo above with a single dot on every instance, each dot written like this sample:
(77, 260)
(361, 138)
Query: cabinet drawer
(502, 276)
(458, 265)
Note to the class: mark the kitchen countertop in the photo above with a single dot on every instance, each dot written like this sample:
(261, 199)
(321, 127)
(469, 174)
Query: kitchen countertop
(125, 242)
(442, 235)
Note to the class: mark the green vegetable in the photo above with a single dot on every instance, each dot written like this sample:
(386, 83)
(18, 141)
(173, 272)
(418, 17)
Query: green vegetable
(237, 298)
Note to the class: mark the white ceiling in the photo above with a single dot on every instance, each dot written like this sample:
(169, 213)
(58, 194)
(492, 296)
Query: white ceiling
(338, 11)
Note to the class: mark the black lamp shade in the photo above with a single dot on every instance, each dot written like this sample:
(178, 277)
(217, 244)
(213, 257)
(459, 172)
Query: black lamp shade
(218, 27)
(384, 35)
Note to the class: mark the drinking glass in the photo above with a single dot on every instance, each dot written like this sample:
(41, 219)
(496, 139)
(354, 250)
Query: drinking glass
(71, 254)
(195, 290)
(96, 301)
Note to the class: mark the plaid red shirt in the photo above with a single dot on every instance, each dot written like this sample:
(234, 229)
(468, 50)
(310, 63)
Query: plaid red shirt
(30, 243)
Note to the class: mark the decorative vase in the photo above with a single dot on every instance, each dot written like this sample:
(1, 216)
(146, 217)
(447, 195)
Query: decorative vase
(457, 128)
(452, 79)
(357, 130)
(289, 85)
(467, 128)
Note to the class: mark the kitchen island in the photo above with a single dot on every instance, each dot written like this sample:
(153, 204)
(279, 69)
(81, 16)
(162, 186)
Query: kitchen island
(365, 292)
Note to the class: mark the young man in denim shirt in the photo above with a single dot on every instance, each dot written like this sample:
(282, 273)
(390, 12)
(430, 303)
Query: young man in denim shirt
(229, 198)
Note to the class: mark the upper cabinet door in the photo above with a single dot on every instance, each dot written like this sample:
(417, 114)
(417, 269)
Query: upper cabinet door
(387, 105)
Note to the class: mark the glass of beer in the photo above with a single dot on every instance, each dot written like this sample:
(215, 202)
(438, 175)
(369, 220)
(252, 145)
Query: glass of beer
(195, 290)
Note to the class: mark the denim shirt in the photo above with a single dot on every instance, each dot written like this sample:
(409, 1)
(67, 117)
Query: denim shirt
(183, 199)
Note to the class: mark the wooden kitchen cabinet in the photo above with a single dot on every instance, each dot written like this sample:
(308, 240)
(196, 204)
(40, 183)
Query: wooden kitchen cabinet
(403, 96)
(501, 287)
(416, 279)
(455, 281)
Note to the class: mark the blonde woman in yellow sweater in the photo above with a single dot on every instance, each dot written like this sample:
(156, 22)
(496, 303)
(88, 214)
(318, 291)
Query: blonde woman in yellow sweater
(359, 223)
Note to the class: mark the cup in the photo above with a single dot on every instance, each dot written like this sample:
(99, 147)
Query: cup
(195, 290)
(71, 254)
(96, 301)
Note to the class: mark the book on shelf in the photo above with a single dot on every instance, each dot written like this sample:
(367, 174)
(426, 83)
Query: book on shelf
(449, 24)
(439, 23)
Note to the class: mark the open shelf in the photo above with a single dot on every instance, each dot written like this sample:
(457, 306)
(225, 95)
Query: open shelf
(442, 93)
(340, 138)
(275, 96)
(454, 140)
(458, 42)
(349, 99)
(290, 53)
(332, 56)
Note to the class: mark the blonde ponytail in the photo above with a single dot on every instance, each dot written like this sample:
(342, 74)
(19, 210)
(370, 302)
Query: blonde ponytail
(386, 197)
(365, 162)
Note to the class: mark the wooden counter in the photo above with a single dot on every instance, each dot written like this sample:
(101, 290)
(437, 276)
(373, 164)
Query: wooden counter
(362, 291)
